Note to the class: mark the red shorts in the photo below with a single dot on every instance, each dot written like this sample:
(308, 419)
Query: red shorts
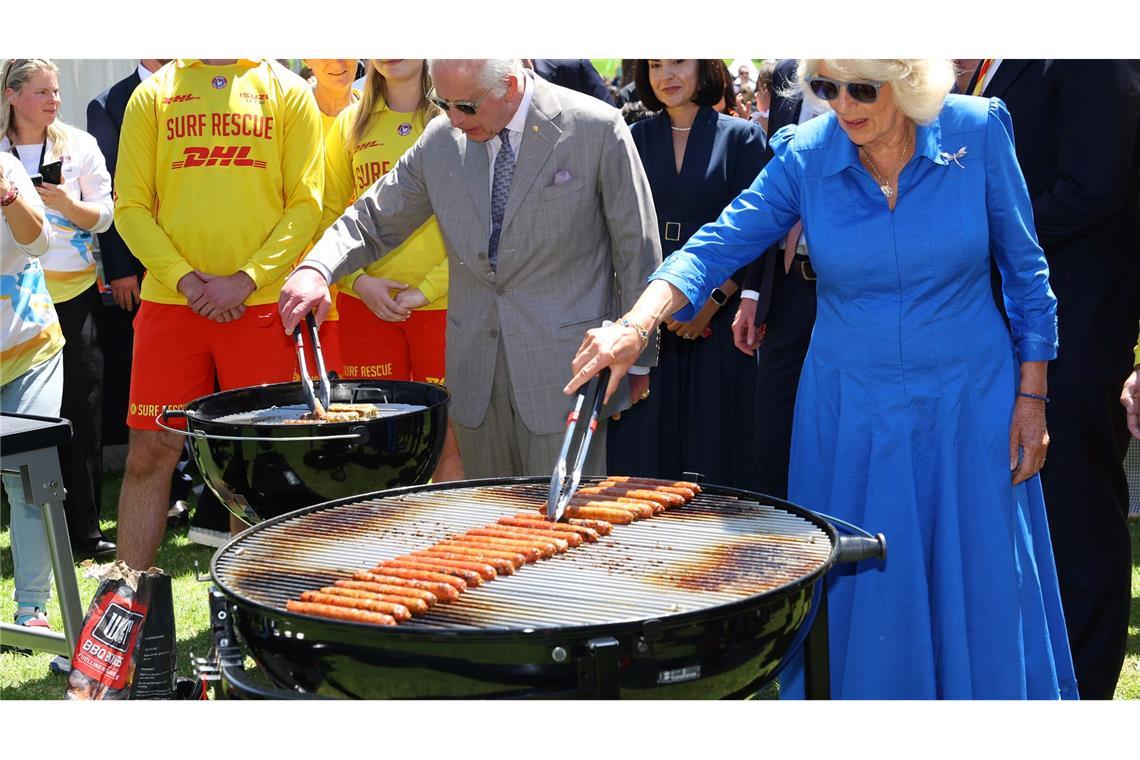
(178, 354)
(373, 349)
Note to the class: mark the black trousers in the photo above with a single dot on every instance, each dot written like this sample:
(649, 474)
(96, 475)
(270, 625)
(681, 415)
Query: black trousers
(1086, 497)
(81, 459)
(779, 361)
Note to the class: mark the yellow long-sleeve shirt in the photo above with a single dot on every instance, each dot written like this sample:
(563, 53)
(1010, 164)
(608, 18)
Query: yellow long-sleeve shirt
(421, 262)
(220, 170)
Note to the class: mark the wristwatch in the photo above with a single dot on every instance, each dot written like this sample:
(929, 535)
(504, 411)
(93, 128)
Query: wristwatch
(718, 296)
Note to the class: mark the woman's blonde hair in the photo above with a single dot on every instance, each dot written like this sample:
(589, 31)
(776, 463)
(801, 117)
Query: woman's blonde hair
(920, 85)
(375, 90)
(17, 72)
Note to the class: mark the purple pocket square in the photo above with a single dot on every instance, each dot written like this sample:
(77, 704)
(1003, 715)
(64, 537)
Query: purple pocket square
(561, 176)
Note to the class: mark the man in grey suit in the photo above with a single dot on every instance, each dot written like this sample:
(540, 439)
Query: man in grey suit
(540, 249)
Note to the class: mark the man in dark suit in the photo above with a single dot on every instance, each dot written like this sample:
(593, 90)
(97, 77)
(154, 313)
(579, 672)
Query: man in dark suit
(576, 73)
(783, 301)
(1077, 128)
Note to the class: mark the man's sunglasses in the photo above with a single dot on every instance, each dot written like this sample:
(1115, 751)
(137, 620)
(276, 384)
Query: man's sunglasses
(862, 91)
(464, 106)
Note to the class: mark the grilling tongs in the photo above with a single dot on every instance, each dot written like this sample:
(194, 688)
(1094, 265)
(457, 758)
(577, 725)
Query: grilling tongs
(563, 486)
(319, 399)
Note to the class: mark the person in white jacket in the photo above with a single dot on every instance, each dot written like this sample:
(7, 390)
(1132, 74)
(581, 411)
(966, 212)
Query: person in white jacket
(31, 375)
(78, 205)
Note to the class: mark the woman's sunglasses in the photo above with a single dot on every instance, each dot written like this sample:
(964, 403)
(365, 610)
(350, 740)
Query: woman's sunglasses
(464, 106)
(862, 91)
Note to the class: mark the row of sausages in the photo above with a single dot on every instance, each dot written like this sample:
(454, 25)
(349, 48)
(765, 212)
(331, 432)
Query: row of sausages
(409, 586)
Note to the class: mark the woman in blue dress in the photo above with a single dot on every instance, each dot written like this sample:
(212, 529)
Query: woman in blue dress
(918, 414)
(701, 391)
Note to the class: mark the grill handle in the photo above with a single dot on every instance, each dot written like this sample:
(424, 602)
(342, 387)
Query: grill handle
(858, 548)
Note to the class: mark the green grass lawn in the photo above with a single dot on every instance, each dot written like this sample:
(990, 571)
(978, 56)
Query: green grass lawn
(28, 677)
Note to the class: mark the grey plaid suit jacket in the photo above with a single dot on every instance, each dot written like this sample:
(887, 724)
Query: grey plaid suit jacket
(572, 253)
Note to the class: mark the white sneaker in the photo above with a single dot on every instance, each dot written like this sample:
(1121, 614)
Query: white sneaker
(207, 537)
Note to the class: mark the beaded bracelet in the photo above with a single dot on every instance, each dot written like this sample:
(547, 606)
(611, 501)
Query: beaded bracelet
(1034, 395)
(11, 197)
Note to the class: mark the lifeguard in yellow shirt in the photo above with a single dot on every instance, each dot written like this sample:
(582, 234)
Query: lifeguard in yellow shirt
(393, 315)
(218, 187)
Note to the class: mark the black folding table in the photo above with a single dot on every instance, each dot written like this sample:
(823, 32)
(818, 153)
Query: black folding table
(28, 448)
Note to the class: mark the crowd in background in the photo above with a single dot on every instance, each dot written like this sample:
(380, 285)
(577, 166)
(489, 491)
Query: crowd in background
(112, 259)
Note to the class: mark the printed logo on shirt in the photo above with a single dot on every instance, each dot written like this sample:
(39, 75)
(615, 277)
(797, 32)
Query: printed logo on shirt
(179, 99)
(404, 129)
(366, 145)
(260, 97)
(368, 173)
(219, 82)
(219, 155)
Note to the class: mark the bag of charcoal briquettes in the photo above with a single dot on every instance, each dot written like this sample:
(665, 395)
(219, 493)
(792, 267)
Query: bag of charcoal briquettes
(126, 647)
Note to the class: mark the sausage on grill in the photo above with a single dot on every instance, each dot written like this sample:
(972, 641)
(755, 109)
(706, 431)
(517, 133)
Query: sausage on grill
(545, 550)
(370, 581)
(415, 574)
(640, 511)
(570, 540)
(398, 611)
(654, 482)
(665, 499)
(513, 560)
(469, 577)
(601, 526)
(592, 512)
(589, 534)
(481, 543)
(415, 606)
(501, 533)
(392, 589)
(501, 566)
(684, 491)
(339, 613)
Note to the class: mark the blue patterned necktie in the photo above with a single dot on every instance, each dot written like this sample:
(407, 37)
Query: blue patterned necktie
(500, 189)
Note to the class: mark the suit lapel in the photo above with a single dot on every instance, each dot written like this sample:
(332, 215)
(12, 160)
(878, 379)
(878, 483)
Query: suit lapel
(1007, 73)
(477, 177)
(539, 137)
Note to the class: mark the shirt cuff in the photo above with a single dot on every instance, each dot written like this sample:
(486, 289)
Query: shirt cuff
(751, 295)
(318, 266)
(638, 370)
(1030, 350)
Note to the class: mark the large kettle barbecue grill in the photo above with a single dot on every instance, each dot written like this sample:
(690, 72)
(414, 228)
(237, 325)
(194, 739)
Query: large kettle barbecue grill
(706, 600)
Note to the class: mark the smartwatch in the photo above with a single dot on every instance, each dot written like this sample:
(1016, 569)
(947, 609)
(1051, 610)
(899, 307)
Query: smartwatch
(718, 296)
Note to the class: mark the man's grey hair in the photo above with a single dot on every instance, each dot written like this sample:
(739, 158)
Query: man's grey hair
(489, 72)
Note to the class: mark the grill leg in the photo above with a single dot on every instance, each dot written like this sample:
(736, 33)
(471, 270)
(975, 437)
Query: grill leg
(817, 658)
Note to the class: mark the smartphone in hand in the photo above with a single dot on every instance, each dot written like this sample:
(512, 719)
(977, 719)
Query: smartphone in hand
(52, 173)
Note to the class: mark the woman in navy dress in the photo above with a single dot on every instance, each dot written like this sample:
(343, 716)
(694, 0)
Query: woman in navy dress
(700, 401)
(918, 413)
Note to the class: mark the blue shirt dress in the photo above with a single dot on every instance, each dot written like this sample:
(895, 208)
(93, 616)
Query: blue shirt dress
(904, 404)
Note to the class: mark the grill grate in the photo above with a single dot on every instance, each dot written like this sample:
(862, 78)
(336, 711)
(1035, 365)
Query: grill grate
(715, 550)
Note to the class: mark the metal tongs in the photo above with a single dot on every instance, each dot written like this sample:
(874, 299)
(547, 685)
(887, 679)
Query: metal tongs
(563, 486)
(320, 398)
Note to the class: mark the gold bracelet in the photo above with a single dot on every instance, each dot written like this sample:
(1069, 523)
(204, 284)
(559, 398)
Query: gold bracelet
(641, 331)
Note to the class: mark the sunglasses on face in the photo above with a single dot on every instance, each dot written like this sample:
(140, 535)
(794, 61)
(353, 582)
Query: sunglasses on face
(463, 106)
(861, 91)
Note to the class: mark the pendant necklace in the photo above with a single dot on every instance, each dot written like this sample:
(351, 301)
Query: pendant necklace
(884, 185)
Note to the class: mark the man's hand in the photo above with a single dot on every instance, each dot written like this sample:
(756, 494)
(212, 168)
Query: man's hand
(745, 335)
(221, 294)
(638, 392)
(125, 291)
(614, 346)
(412, 298)
(305, 290)
(376, 294)
(1130, 399)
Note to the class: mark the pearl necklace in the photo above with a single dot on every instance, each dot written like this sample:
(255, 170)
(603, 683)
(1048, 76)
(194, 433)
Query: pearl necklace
(884, 185)
(680, 129)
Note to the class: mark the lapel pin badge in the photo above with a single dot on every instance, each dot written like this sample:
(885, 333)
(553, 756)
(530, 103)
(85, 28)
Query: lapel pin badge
(955, 156)
(535, 128)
